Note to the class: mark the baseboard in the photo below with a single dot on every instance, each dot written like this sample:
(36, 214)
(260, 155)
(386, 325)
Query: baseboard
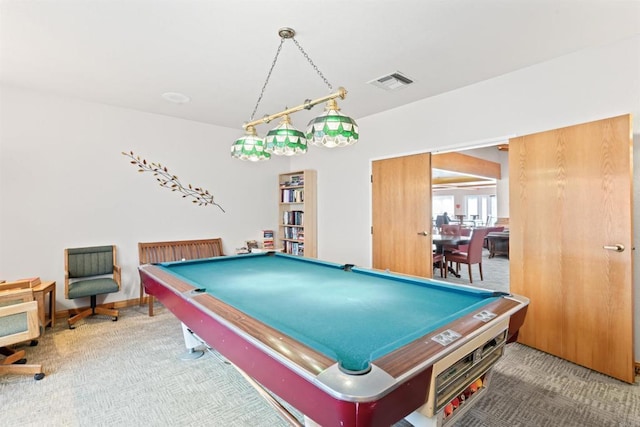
(113, 305)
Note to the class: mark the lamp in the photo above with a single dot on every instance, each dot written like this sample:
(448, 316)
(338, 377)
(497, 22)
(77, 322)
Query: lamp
(285, 139)
(250, 147)
(330, 129)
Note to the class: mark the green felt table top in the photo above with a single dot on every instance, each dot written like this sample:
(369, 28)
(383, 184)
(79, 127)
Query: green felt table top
(353, 316)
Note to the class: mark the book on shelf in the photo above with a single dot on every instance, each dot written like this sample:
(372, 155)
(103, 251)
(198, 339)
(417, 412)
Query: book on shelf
(268, 239)
(292, 196)
(293, 181)
(268, 244)
(293, 218)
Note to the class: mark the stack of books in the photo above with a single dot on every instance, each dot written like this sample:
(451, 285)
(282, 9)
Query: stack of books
(267, 239)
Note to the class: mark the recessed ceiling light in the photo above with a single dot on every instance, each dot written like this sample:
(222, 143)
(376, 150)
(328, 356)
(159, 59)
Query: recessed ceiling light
(176, 98)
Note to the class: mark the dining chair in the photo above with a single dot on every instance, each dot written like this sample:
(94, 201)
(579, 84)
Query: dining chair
(472, 256)
(438, 261)
(450, 229)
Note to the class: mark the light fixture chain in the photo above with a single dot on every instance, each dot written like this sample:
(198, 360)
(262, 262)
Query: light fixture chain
(264, 87)
(312, 64)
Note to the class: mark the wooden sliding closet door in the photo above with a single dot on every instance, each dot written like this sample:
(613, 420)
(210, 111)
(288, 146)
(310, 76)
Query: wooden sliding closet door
(570, 208)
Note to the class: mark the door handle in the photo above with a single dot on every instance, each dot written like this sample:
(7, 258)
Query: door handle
(617, 247)
(423, 233)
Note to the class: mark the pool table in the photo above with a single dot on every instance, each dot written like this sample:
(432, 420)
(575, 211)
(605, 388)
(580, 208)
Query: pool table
(346, 346)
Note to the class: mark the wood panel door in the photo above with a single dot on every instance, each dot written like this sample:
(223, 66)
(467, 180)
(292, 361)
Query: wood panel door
(570, 205)
(401, 215)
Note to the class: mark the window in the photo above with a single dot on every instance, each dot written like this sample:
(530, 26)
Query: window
(442, 204)
(483, 206)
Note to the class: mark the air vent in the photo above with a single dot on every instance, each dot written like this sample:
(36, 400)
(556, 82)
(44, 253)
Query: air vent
(392, 81)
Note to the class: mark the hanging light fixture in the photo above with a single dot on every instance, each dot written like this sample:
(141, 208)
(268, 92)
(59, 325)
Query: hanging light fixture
(250, 147)
(285, 140)
(331, 129)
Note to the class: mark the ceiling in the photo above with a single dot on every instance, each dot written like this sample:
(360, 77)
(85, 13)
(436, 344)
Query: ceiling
(128, 53)
(444, 180)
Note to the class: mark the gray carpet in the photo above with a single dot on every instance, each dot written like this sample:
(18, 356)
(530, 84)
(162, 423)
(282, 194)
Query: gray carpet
(495, 272)
(128, 373)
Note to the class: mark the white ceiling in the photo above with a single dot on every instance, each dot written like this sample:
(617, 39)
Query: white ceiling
(128, 52)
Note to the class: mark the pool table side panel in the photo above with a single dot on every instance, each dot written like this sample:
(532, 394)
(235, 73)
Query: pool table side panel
(304, 356)
(425, 351)
(515, 323)
(178, 285)
(280, 379)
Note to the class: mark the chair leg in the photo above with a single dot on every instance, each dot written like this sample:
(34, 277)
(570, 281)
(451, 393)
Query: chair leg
(94, 309)
(35, 369)
(15, 363)
(12, 356)
(85, 313)
(141, 293)
(470, 277)
(151, 299)
(480, 265)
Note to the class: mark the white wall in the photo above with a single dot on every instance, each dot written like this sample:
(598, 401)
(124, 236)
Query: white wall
(577, 88)
(65, 183)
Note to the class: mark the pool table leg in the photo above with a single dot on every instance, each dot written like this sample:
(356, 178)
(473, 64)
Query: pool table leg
(191, 341)
(418, 420)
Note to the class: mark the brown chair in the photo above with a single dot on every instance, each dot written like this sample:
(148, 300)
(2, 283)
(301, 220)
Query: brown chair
(462, 231)
(472, 256)
(438, 259)
(18, 323)
(453, 229)
(86, 272)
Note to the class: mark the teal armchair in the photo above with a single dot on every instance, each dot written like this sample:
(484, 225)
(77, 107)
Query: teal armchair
(89, 272)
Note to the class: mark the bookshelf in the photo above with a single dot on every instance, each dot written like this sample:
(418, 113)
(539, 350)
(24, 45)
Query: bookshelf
(297, 233)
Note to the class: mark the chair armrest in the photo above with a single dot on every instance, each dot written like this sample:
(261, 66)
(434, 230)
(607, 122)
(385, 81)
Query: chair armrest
(13, 296)
(117, 274)
(16, 284)
(66, 284)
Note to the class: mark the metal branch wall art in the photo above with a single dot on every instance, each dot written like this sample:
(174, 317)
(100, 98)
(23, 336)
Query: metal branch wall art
(167, 180)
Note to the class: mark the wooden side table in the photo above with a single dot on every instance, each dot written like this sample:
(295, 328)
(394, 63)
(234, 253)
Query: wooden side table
(39, 293)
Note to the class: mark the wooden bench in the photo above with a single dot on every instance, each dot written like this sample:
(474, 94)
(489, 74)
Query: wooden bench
(155, 252)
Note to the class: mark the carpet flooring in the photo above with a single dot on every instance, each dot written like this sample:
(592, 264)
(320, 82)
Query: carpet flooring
(129, 373)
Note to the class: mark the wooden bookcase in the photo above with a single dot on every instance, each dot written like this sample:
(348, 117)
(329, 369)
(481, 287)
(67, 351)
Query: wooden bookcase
(297, 230)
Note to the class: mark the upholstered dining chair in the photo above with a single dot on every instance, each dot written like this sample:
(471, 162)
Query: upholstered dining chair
(438, 261)
(89, 272)
(460, 231)
(473, 254)
(18, 324)
(450, 229)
